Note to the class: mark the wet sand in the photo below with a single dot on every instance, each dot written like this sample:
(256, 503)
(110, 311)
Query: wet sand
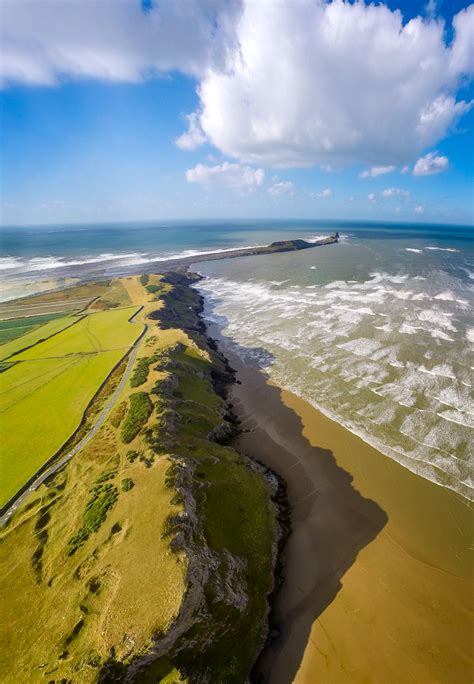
(377, 571)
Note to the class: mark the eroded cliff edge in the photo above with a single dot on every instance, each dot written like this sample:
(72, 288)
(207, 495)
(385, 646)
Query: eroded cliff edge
(150, 556)
(228, 526)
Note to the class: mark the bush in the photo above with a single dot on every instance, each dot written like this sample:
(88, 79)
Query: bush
(132, 456)
(103, 498)
(106, 475)
(140, 374)
(144, 279)
(153, 288)
(138, 414)
(127, 484)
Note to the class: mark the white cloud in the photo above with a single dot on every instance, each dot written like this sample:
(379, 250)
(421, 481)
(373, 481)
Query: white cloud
(377, 171)
(44, 41)
(405, 169)
(430, 164)
(392, 192)
(193, 137)
(372, 198)
(420, 209)
(358, 85)
(281, 188)
(226, 175)
(324, 194)
(431, 8)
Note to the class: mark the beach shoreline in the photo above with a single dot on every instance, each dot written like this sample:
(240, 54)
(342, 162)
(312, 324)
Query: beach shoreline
(375, 550)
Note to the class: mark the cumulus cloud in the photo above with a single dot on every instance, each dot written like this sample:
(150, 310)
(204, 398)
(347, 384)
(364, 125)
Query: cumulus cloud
(44, 41)
(226, 175)
(420, 209)
(405, 169)
(377, 171)
(358, 85)
(281, 188)
(392, 192)
(372, 198)
(193, 137)
(430, 164)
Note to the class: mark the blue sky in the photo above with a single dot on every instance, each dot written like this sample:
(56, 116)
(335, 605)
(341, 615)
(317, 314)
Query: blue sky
(333, 131)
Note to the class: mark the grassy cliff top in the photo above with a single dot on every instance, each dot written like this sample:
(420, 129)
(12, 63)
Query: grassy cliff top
(151, 550)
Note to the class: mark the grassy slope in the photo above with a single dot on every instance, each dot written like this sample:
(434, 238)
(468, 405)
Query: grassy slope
(132, 579)
(43, 395)
(123, 582)
(237, 519)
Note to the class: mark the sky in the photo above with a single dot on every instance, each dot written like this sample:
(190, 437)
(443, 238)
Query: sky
(117, 110)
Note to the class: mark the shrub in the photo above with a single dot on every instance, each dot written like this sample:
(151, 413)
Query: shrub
(103, 498)
(144, 279)
(106, 475)
(153, 288)
(127, 484)
(138, 414)
(140, 374)
(132, 456)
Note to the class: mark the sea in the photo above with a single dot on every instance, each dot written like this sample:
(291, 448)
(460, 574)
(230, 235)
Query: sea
(377, 331)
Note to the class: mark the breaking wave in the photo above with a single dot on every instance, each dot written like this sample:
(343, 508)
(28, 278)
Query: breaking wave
(384, 356)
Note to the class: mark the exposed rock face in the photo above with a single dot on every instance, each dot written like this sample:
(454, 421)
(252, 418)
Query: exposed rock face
(223, 433)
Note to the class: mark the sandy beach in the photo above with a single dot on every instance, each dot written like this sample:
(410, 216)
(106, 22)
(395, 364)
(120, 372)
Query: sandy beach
(377, 569)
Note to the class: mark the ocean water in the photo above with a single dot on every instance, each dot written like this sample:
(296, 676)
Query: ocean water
(29, 254)
(376, 331)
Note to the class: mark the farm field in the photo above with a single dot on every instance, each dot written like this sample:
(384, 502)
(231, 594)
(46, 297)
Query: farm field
(34, 335)
(14, 327)
(99, 294)
(44, 394)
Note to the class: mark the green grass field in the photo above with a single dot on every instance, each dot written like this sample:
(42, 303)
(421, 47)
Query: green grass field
(44, 394)
(34, 335)
(14, 327)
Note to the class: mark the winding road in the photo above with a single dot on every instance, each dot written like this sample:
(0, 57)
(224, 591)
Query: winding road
(42, 475)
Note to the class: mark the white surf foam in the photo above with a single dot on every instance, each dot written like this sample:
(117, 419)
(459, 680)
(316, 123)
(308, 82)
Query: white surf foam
(339, 343)
(442, 249)
(46, 263)
(9, 262)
